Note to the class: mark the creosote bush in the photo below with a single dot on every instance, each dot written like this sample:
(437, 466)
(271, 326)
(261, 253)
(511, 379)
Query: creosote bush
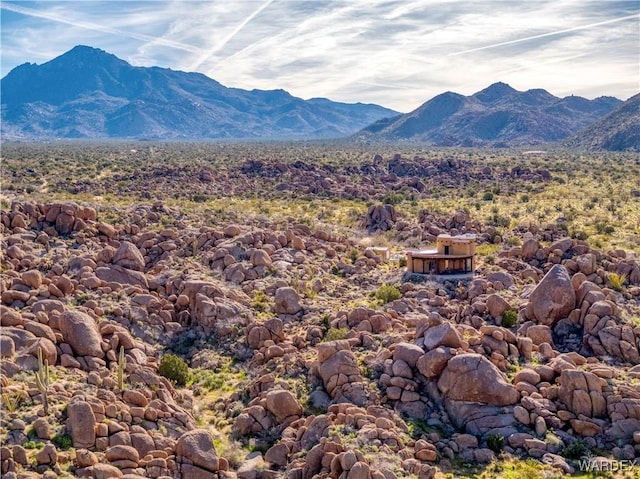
(174, 368)
(388, 293)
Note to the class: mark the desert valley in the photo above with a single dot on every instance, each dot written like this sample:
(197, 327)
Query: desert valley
(238, 307)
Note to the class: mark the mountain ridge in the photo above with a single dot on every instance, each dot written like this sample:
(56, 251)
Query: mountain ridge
(496, 116)
(617, 131)
(89, 93)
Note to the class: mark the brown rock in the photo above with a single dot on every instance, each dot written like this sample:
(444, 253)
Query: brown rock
(527, 375)
(118, 274)
(80, 331)
(497, 305)
(540, 333)
(407, 352)
(105, 471)
(360, 470)
(433, 362)
(47, 455)
(128, 256)
(287, 301)
(283, 404)
(32, 278)
(120, 453)
(197, 447)
(529, 248)
(553, 298)
(277, 455)
(85, 458)
(81, 423)
(472, 377)
(443, 334)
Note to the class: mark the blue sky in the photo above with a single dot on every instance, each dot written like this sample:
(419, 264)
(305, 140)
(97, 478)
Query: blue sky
(394, 53)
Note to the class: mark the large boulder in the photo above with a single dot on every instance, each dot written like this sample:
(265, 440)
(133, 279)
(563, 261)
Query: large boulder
(287, 301)
(581, 392)
(196, 448)
(119, 274)
(553, 298)
(443, 334)
(81, 423)
(80, 331)
(380, 218)
(472, 377)
(340, 372)
(128, 256)
(283, 404)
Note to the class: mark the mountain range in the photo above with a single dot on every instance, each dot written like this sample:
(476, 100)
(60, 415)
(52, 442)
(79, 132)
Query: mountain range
(89, 93)
(618, 131)
(497, 116)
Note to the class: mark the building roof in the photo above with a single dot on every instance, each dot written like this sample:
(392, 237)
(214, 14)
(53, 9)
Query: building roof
(463, 238)
(436, 255)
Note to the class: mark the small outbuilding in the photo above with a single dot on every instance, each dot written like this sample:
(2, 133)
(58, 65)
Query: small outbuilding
(452, 255)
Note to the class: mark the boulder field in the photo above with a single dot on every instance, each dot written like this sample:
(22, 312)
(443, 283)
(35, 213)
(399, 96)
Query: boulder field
(329, 385)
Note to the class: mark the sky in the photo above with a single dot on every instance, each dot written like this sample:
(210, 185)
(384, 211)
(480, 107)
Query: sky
(395, 53)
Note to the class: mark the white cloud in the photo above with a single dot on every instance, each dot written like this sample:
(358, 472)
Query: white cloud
(394, 53)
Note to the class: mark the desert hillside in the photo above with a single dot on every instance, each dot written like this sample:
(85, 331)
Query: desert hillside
(217, 311)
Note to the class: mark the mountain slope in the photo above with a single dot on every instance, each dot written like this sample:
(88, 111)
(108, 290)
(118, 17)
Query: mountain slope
(88, 93)
(618, 131)
(496, 116)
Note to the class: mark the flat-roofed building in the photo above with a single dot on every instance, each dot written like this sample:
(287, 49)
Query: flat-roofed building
(452, 255)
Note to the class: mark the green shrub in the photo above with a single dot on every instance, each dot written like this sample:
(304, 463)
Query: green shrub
(334, 334)
(174, 368)
(509, 318)
(495, 442)
(353, 254)
(488, 196)
(261, 301)
(63, 442)
(388, 293)
(576, 450)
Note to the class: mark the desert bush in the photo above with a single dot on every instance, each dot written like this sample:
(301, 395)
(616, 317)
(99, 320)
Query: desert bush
(174, 368)
(617, 280)
(334, 334)
(387, 293)
(260, 301)
(509, 318)
(576, 450)
(495, 442)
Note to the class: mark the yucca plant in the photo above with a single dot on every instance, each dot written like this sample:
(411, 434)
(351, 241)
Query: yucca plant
(12, 400)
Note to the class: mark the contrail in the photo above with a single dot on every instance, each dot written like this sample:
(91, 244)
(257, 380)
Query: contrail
(99, 28)
(543, 35)
(229, 37)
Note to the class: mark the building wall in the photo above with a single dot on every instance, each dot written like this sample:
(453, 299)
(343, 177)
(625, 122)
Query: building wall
(456, 246)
